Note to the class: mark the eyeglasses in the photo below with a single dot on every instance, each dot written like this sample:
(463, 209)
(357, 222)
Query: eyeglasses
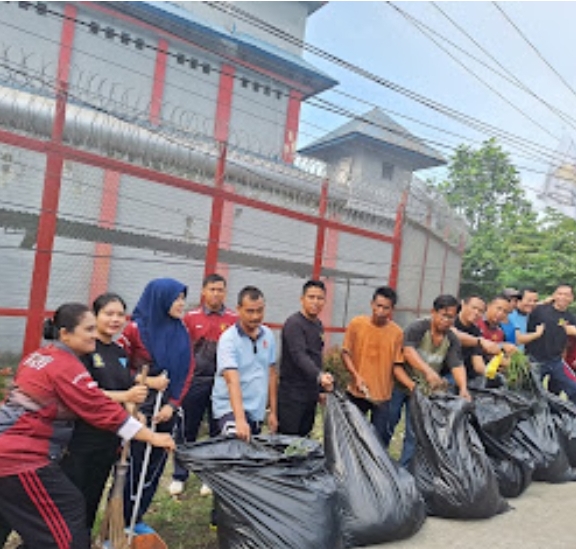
(447, 317)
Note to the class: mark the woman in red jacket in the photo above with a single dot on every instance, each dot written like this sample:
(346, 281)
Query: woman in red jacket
(51, 388)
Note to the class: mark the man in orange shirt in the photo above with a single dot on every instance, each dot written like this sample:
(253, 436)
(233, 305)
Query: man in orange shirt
(372, 346)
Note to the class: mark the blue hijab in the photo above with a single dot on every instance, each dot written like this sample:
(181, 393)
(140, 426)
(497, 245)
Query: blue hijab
(165, 338)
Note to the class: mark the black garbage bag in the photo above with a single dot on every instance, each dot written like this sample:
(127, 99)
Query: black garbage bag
(497, 413)
(538, 436)
(564, 417)
(451, 467)
(378, 500)
(273, 492)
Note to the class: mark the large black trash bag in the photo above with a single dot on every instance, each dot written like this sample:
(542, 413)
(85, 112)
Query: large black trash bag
(538, 436)
(274, 492)
(451, 467)
(378, 500)
(564, 417)
(497, 413)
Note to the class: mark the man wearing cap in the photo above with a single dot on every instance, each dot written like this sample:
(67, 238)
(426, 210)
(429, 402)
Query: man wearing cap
(507, 326)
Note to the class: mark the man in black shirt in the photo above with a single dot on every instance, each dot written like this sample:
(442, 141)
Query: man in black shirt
(472, 309)
(550, 346)
(301, 375)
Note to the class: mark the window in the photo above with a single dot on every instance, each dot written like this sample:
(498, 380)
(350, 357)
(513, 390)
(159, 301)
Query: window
(387, 171)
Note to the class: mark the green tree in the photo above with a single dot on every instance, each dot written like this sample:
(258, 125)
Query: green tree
(544, 257)
(483, 186)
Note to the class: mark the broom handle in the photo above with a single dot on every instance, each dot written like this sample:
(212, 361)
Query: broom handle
(126, 448)
(122, 463)
(143, 472)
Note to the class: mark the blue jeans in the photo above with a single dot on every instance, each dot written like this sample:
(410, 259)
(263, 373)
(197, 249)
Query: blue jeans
(562, 377)
(378, 415)
(399, 400)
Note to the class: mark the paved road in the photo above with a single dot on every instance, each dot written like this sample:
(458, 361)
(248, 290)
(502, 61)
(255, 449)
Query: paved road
(544, 517)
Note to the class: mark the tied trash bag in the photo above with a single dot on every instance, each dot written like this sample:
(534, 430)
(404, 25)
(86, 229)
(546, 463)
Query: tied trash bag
(497, 413)
(378, 501)
(537, 435)
(273, 492)
(451, 467)
(564, 417)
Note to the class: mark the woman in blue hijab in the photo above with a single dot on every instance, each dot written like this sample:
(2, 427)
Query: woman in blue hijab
(157, 337)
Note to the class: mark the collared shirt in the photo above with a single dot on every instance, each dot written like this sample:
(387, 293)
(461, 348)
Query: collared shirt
(205, 324)
(520, 322)
(253, 359)
(205, 328)
(492, 332)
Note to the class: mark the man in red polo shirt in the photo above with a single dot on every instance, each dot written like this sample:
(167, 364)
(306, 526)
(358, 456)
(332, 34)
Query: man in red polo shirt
(490, 325)
(205, 325)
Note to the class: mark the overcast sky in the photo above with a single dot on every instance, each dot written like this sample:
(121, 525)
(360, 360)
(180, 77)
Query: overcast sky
(374, 36)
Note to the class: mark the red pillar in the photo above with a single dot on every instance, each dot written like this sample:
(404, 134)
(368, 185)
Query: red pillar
(291, 127)
(103, 250)
(329, 260)
(221, 133)
(424, 260)
(158, 82)
(320, 231)
(397, 246)
(46, 231)
(226, 232)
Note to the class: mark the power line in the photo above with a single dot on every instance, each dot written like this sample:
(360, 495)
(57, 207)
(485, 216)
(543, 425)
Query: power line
(534, 48)
(348, 114)
(427, 32)
(506, 74)
(433, 105)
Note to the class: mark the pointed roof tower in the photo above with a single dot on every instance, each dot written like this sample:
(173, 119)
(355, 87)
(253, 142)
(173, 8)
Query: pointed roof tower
(379, 132)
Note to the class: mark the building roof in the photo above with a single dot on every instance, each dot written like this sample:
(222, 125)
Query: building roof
(378, 130)
(181, 22)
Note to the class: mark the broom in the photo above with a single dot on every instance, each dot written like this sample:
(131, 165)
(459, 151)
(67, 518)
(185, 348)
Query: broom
(112, 527)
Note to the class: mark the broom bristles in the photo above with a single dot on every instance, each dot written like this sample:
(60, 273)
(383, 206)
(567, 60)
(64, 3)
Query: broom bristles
(113, 528)
(115, 522)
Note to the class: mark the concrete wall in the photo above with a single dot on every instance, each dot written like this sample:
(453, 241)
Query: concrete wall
(288, 16)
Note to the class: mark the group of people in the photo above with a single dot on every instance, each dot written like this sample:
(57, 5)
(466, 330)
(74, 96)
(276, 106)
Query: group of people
(453, 346)
(103, 382)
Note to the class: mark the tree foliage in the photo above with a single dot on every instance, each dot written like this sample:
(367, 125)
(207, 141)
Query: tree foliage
(510, 245)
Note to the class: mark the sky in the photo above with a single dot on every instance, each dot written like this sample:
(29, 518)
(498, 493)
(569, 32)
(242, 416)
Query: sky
(376, 37)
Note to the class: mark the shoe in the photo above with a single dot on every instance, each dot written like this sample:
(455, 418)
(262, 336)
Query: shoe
(176, 487)
(205, 490)
(141, 528)
(213, 519)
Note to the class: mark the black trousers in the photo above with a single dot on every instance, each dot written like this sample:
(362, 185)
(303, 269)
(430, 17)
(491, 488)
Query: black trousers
(295, 418)
(45, 508)
(195, 405)
(5, 530)
(89, 469)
